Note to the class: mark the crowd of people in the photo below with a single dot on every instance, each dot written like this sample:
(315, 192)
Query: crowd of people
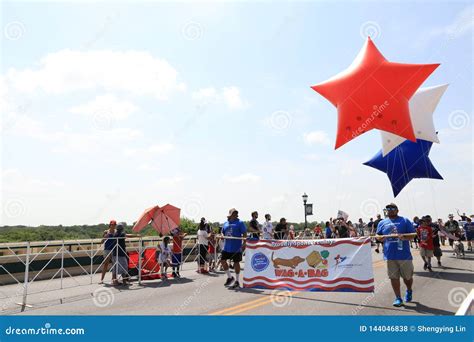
(223, 246)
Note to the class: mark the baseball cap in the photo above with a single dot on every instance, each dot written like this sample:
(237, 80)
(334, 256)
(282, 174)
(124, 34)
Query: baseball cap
(450, 215)
(112, 222)
(391, 205)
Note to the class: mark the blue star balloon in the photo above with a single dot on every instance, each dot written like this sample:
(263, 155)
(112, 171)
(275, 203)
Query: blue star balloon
(407, 161)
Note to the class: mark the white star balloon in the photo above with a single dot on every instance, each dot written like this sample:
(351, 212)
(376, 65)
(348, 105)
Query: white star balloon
(422, 106)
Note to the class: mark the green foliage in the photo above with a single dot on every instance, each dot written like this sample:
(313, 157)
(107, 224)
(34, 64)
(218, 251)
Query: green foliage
(78, 232)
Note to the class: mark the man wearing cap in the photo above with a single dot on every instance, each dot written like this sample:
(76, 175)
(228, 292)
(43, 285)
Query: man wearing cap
(236, 231)
(396, 251)
(452, 226)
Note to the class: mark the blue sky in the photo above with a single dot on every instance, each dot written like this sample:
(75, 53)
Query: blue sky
(111, 108)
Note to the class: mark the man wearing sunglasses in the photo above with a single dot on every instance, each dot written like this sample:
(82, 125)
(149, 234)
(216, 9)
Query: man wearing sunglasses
(396, 251)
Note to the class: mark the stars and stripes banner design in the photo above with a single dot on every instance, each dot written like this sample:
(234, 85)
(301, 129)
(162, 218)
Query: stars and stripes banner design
(310, 265)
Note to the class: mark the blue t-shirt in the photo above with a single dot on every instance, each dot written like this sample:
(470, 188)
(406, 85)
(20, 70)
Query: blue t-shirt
(109, 243)
(236, 229)
(399, 225)
(328, 232)
(469, 230)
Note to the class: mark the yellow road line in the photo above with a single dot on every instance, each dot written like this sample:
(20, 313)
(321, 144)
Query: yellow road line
(220, 312)
(265, 300)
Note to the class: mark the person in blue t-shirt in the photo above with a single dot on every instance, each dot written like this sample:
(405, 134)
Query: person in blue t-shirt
(469, 232)
(396, 250)
(233, 247)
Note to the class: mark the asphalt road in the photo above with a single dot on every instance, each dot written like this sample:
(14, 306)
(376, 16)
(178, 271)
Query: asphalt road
(436, 293)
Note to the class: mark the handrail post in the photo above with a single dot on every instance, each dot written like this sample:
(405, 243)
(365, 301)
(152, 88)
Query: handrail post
(92, 259)
(62, 264)
(26, 279)
(140, 261)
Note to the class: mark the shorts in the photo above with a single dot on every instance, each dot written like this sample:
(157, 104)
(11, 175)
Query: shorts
(176, 259)
(202, 254)
(107, 255)
(235, 257)
(426, 252)
(437, 252)
(400, 268)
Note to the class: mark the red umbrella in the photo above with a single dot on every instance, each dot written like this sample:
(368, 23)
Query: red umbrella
(163, 219)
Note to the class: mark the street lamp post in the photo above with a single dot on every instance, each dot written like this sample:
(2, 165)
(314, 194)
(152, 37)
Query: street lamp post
(305, 199)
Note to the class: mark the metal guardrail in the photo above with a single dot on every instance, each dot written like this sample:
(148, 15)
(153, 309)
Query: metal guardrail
(29, 252)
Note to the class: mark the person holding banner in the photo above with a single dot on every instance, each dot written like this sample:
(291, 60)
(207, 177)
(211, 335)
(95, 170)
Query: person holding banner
(396, 249)
(234, 232)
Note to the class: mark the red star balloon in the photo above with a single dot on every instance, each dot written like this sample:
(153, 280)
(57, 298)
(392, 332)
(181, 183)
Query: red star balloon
(374, 93)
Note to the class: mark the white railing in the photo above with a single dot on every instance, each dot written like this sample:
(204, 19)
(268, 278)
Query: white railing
(27, 253)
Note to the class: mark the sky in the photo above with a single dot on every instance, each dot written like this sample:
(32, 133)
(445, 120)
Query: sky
(109, 108)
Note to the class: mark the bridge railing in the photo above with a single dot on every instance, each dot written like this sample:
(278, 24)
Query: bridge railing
(25, 263)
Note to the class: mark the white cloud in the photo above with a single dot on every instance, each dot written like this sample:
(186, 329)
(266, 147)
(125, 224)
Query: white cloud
(134, 72)
(16, 181)
(230, 96)
(461, 25)
(316, 137)
(94, 142)
(150, 151)
(108, 106)
(243, 178)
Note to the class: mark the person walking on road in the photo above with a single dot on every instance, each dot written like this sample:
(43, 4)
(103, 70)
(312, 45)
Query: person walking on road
(469, 232)
(254, 231)
(425, 238)
(374, 230)
(397, 252)
(452, 226)
(233, 247)
(203, 241)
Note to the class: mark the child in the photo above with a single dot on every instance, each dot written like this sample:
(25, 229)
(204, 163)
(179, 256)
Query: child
(165, 256)
(425, 238)
(178, 237)
(212, 251)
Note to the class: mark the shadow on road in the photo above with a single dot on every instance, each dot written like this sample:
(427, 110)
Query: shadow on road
(461, 277)
(166, 283)
(356, 305)
(423, 309)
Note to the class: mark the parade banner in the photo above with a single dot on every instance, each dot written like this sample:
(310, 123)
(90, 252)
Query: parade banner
(310, 265)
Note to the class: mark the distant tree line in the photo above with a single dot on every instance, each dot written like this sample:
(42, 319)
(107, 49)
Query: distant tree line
(78, 232)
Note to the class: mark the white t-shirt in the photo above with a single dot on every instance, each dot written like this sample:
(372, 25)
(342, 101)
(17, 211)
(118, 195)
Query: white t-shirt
(202, 237)
(267, 230)
(165, 252)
